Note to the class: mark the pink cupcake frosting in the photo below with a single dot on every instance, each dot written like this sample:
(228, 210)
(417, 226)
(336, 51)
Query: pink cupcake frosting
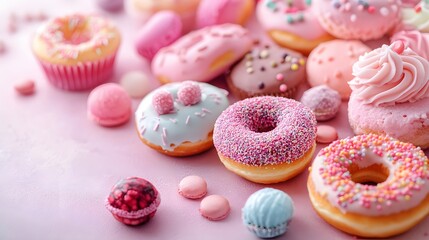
(417, 41)
(390, 75)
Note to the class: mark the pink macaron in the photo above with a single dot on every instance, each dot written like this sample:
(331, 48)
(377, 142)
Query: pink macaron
(215, 207)
(326, 134)
(193, 187)
(109, 105)
(160, 30)
(223, 11)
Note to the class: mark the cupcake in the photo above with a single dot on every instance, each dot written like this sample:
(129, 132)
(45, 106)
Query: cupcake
(267, 212)
(133, 201)
(267, 70)
(77, 52)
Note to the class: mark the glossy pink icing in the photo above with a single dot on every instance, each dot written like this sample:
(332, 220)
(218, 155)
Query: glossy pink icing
(214, 207)
(363, 20)
(331, 63)
(417, 41)
(249, 131)
(387, 77)
(219, 12)
(297, 19)
(399, 121)
(191, 56)
(109, 105)
(269, 69)
(162, 29)
(406, 164)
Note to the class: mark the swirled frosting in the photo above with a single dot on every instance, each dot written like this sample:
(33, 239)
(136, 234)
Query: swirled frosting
(388, 76)
(417, 17)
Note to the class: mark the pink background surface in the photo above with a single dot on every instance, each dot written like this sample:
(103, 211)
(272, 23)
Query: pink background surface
(57, 167)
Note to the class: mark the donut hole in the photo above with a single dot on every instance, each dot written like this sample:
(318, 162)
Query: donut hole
(369, 175)
(262, 123)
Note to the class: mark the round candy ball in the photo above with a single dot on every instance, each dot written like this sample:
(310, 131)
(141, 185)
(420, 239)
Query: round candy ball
(323, 101)
(111, 5)
(136, 84)
(267, 212)
(133, 201)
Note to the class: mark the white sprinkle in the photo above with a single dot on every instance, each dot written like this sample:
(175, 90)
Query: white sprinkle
(197, 113)
(164, 132)
(173, 120)
(187, 120)
(206, 110)
(143, 130)
(384, 11)
(155, 128)
(164, 142)
(225, 92)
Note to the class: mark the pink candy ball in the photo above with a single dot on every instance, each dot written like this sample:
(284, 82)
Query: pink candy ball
(163, 102)
(189, 93)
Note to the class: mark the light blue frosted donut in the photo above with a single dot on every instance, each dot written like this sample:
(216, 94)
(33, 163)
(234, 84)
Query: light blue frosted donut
(268, 212)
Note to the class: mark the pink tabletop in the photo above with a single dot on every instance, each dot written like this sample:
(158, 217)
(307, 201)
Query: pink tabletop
(57, 167)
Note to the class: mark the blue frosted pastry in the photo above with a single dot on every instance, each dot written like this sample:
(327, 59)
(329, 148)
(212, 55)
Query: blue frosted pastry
(267, 212)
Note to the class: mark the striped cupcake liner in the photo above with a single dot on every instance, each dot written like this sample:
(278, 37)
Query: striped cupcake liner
(81, 76)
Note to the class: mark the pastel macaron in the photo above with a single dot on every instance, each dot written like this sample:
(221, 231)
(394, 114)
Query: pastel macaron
(268, 212)
(193, 187)
(162, 29)
(326, 134)
(215, 207)
(109, 105)
(211, 12)
(331, 63)
(324, 101)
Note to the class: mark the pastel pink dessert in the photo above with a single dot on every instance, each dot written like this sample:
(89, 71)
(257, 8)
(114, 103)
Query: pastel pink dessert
(202, 55)
(326, 134)
(133, 201)
(26, 87)
(357, 20)
(224, 11)
(391, 94)
(267, 70)
(111, 5)
(323, 101)
(109, 105)
(415, 40)
(331, 63)
(291, 24)
(193, 187)
(215, 207)
(161, 30)
(265, 139)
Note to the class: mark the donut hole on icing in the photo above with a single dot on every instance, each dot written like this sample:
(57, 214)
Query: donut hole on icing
(261, 120)
(370, 175)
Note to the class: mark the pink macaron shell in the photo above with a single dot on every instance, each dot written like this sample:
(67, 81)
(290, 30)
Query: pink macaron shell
(109, 105)
(218, 12)
(162, 29)
(326, 134)
(193, 187)
(331, 63)
(25, 87)
(214, 207)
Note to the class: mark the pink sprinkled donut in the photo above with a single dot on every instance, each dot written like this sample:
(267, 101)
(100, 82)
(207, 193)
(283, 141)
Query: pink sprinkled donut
(266, 139)
(371, 186)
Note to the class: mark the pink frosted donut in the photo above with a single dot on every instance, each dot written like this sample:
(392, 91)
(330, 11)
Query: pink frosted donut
(363, 20)
(202, 55)
(417, 41)
(331, 64)
(265, 139)
(340, 189)
(224, 11)
(291, 24)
